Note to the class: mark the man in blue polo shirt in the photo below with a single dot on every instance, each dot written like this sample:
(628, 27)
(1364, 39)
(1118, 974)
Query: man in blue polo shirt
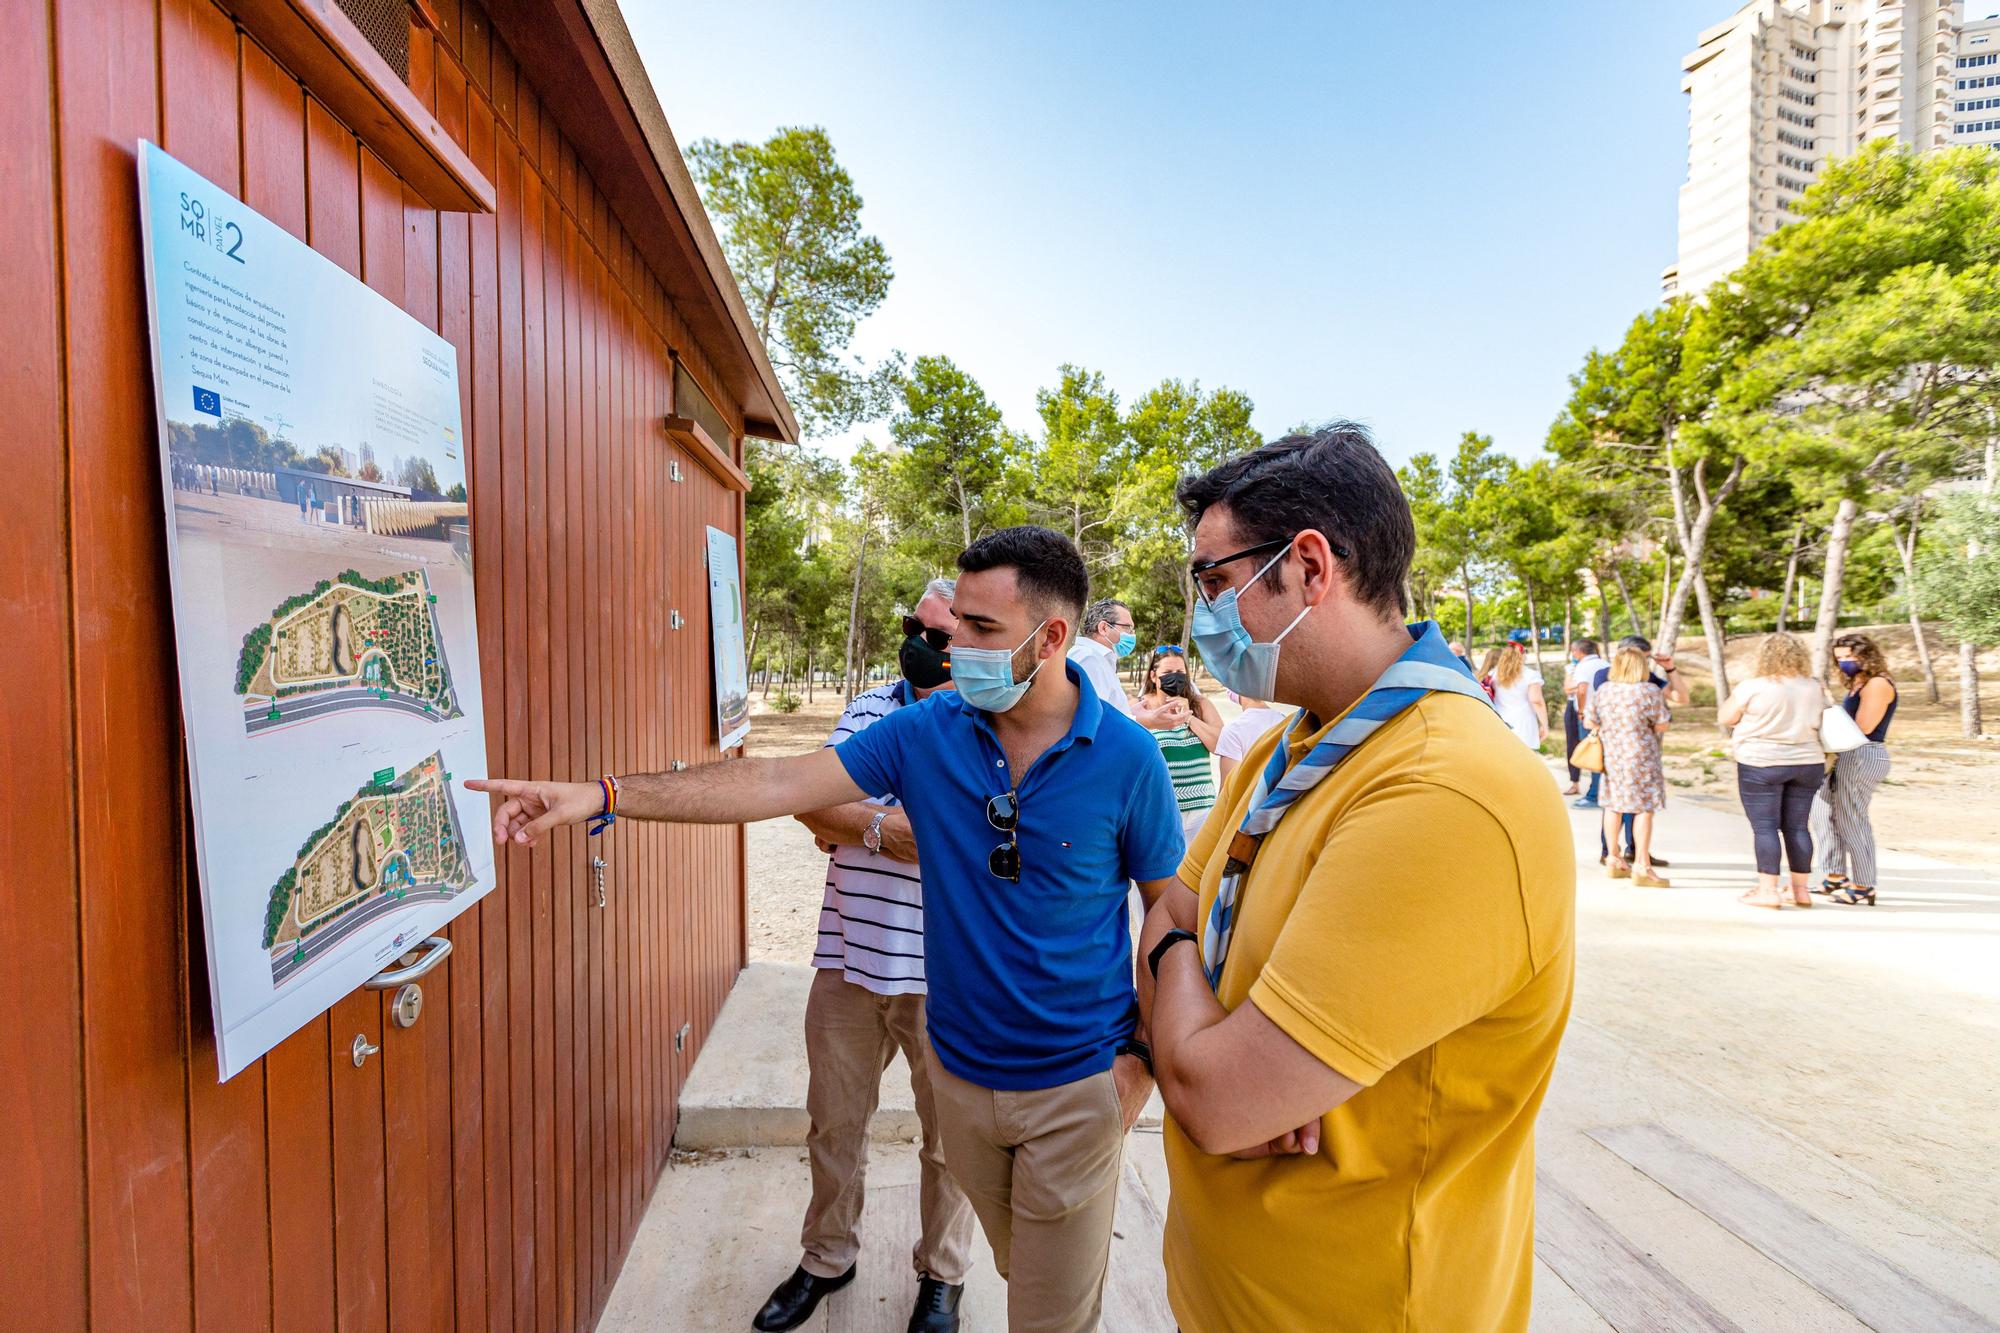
(1033, 805)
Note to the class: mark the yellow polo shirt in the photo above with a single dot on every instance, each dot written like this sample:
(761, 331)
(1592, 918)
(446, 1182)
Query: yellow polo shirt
(1411, 923)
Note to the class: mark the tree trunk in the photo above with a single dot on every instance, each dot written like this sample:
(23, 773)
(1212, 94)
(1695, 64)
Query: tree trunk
(1465, 583)
(1569, 623)
(1835, 574)
(1791, 575)
(1666, 586)
(852, 668)
(1969, 719)
(1625, 595)
(1534, 626)
(809, 675)
(1717, 641)
(1906, 550)
(1691, 526)
(1187, 609)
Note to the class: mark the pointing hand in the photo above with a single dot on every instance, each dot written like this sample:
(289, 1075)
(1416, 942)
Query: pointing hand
(531, 809)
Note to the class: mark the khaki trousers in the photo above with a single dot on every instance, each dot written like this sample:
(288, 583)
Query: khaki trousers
(851, 1036)
(1041, 1169)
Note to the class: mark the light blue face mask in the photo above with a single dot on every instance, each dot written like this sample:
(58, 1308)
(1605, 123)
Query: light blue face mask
(1233, 657)
(985, 676)
(1126, 643)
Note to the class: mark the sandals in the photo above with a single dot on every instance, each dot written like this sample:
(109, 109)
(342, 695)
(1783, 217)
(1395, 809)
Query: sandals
(1644, 879)
(1617, 869)
(1831, 884)
(1758, 898)
(1854, 895)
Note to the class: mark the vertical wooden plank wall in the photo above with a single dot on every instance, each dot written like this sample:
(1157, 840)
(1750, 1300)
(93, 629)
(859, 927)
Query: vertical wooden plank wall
(489, 1168)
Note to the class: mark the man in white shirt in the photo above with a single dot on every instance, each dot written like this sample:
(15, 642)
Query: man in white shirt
(1106, 635)
(1584, 663)
(867, 1002)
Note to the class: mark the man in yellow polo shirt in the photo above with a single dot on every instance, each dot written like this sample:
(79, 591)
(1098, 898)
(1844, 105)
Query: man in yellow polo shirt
(1356, 992)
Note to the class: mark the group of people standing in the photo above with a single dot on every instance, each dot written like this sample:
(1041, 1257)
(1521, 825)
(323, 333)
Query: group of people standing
(1807, 816)
(1351, 1071)
(1798, 805)
(1200, 748)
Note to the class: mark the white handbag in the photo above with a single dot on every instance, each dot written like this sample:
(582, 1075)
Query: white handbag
(1839, 733)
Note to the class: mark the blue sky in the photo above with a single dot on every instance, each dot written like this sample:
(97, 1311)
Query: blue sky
(1418, 216)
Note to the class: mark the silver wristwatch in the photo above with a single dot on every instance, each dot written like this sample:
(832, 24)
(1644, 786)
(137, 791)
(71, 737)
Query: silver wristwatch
(872, 837)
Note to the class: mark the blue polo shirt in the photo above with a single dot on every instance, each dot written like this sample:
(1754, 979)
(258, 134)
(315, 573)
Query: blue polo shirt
(1030, 983)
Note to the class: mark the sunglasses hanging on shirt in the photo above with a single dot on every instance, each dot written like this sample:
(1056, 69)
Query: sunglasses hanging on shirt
(1003, 812)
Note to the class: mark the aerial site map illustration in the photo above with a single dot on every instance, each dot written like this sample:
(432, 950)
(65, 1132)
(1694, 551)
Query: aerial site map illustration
(396, 842)
(349, 642)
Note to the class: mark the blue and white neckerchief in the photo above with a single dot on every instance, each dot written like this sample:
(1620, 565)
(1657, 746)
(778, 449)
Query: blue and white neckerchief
(1426, 666)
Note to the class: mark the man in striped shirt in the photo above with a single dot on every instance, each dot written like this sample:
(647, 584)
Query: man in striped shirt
(867, 1002)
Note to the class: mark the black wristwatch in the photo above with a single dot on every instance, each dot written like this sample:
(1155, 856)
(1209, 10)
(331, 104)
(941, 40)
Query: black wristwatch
(1133, 1046)
(1167, 941)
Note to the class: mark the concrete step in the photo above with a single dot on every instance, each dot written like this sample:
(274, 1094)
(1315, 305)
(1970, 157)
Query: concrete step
(748, 1088)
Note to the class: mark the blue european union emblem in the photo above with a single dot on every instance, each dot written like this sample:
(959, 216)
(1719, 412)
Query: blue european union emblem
(207, 400)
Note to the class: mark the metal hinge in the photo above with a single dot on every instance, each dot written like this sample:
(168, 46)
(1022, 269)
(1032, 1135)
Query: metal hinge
(675, 620)
(673, 469)
(677, 766)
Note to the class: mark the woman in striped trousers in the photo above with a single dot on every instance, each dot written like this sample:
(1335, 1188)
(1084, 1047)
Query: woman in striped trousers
(1840, 828)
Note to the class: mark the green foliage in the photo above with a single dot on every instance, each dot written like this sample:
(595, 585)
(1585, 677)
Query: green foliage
(418, 475)
(251, 659)
(787, 702)
(954, 453)
(1959, 574)
(274, 910)
(790, 223)
(237, 443)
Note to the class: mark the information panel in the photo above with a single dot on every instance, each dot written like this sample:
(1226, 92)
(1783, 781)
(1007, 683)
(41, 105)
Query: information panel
(318, 530)
(725, 620)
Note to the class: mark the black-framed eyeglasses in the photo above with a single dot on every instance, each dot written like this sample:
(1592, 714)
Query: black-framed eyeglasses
(1003, 812)
(1261, 548)
(913, 628)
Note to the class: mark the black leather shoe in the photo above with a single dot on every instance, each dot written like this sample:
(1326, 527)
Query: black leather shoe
(937, 1306)
(797, 1297)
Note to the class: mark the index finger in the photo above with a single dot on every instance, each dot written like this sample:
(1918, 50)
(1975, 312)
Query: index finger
(499, 786)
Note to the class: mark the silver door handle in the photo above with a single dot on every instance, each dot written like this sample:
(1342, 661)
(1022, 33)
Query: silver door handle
(436, 949)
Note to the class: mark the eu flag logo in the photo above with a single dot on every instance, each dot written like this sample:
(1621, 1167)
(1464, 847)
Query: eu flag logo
(207, 400)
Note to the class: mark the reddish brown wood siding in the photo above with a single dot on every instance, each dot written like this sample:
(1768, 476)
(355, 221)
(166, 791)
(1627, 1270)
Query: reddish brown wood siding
(489, 1167)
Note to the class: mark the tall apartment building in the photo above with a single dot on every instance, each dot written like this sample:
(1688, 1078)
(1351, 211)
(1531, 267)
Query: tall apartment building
(1782, 87)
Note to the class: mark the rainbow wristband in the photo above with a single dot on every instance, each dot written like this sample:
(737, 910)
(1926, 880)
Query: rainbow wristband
(601, 822)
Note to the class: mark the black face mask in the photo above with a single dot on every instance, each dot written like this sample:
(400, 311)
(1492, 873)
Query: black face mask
(1175, 683)
(924, 666)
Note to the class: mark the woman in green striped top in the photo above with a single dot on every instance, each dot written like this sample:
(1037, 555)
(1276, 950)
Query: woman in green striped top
(1186, 731)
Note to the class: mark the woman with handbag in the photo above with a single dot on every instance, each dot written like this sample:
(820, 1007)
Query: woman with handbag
(1774, 719)
(1628, 715)
(1844, 838)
